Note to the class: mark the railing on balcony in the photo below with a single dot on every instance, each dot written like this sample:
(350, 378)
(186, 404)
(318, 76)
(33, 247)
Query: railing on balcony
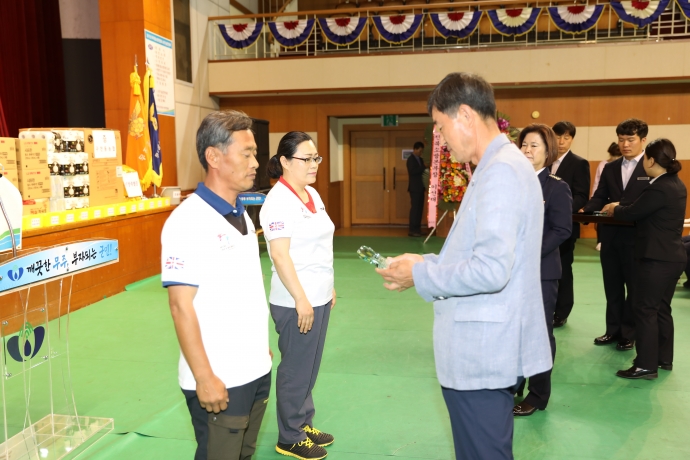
(672, 23)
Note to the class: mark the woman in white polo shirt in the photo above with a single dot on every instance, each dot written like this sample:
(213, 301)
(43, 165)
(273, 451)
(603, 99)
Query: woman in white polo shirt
(300, 243)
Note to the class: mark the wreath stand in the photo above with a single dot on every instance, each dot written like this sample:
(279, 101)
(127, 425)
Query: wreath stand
(438, 222)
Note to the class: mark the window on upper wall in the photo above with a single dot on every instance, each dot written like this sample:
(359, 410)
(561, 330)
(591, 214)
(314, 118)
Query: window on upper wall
(183, 40)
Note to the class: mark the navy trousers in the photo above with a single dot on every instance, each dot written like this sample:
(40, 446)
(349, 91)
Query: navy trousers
(482, 423)
(540, 385)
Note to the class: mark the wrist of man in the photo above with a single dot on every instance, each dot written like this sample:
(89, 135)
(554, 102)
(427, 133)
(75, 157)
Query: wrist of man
(203, 375)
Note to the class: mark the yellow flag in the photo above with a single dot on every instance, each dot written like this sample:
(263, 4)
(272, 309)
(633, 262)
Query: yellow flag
(138, 144)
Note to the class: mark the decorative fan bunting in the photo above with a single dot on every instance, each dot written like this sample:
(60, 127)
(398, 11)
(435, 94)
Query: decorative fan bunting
(342, 31)
(685, 8)
(241, 36)
(516, 21)
(576, 19)
(640, 14)
(292, 34)
(398, 29)
(458, 25)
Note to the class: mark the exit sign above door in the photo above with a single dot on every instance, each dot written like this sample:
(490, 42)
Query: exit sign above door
(389, 120)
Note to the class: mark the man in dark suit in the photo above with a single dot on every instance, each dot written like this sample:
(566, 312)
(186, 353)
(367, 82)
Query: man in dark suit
(415, 169)
(622, 181)
(574, 170)
(659, 258)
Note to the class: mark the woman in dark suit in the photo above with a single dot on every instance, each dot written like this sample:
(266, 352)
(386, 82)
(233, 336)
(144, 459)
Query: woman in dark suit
(659, 257)
(538, 143)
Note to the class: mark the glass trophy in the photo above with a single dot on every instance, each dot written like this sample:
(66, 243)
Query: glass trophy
(373, 257)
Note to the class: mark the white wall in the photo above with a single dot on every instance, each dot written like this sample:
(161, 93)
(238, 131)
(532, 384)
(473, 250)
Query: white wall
(563, 64)
(192, 102)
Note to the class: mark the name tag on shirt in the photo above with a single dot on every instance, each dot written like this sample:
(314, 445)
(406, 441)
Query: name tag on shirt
(643, 178)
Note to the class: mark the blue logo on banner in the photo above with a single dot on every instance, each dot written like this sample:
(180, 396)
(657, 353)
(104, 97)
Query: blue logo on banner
(15, 275)
(56, 262)
(30, 350)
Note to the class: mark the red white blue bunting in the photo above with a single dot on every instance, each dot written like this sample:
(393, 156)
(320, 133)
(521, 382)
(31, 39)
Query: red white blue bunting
(458, 24)
(685, 8)
(398, 29)
(292, 34)
(342, 31)
(239, 36)
(641, 14)
(575, 19)
(515, 21)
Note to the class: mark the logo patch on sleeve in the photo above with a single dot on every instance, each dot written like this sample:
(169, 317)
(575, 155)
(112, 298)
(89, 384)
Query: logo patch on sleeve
(174, 263)
(275, 226)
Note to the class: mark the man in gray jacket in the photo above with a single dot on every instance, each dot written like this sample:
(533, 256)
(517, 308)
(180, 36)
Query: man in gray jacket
(489, 325)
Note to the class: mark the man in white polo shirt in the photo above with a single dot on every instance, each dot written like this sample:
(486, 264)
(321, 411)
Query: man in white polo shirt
(210, 265)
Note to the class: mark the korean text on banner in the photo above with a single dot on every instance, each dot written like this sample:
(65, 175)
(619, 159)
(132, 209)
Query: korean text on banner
(433, 180)
(159, 54)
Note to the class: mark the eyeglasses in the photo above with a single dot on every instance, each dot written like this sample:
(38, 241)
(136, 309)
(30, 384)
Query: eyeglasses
(316, 160)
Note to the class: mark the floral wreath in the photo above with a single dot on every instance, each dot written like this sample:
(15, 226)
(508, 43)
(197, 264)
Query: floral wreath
(453, 178)
(503, 122)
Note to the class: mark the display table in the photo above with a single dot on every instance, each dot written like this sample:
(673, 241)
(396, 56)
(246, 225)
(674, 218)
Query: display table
(140, 252)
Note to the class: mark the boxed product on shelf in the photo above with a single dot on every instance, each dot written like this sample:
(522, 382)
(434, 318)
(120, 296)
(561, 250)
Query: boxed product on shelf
(101, 159)
(57, 204)
(34, 183)
(57, 187)
(32, 154)
(76, 203)
(52, 143)
(12, 176)
(8, 152)
(37, 206)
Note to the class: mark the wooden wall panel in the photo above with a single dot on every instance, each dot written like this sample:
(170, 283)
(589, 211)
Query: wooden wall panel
(335, 203)
(657, 104)
(140, 255)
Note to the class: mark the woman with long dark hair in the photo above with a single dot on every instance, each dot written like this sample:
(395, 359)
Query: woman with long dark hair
(299, 235)
(538, 143)
(660, 257)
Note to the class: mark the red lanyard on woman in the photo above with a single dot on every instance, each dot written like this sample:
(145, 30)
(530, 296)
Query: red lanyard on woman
(309, 204)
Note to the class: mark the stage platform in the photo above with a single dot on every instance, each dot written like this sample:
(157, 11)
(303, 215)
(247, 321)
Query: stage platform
(377, 391)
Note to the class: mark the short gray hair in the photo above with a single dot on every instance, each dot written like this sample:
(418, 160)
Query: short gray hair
(216, 131)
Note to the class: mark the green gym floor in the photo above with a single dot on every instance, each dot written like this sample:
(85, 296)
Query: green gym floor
(377, 391)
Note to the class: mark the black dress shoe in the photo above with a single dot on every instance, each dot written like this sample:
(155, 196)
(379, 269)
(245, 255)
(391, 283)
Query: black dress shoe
(667, 366)
(636, 373)
(415, 234)
(625, 345)
(605, 339)
(558, 322)
(524, 409)
(686, 284)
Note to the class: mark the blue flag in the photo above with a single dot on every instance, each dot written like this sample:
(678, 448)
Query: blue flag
(156, 166)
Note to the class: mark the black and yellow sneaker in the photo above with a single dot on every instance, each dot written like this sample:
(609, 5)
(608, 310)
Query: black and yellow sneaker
(319, 437)
(305, 450)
